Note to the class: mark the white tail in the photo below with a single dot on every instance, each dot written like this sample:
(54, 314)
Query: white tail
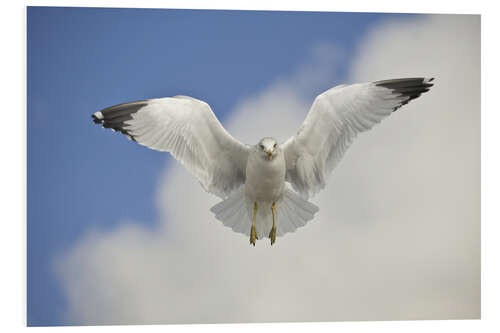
(233, 212)
(292, 212)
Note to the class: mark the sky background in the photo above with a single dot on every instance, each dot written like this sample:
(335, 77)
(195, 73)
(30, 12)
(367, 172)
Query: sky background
(118, 233)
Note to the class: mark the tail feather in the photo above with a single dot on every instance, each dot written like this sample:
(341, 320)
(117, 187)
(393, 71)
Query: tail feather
(292, 212)
(232, 212)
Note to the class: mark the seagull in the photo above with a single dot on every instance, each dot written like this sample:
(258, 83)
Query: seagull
(264, 187)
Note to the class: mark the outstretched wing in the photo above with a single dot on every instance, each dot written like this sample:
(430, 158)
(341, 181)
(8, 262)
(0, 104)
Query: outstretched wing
(334, 120)
(188, 129)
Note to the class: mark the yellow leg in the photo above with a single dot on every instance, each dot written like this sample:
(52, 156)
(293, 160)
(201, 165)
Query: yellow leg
(253, 232)
(272, 234)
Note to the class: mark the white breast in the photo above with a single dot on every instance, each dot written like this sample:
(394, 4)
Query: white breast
(265, 179)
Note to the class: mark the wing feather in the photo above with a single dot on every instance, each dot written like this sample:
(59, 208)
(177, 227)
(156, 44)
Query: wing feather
(336, 117)
(189, 130)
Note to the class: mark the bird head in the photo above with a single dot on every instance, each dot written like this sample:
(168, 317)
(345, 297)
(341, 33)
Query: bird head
(268, 148)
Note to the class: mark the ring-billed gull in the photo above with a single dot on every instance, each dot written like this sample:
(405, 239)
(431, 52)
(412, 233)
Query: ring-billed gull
(251, 179)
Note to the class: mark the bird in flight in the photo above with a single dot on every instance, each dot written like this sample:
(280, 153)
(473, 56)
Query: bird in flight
(252, 179)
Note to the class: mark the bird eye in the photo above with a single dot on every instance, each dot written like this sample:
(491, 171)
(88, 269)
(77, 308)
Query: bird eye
(262, 147)
(275, 145)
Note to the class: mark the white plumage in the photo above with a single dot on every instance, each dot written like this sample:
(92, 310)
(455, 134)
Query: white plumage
(251, 180)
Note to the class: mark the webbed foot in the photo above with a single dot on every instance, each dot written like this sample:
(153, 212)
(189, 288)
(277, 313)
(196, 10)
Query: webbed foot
(253, 235)
(253, 232)
(272, 234)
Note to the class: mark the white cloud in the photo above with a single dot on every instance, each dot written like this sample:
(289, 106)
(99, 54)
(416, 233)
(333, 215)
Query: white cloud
(397, 236)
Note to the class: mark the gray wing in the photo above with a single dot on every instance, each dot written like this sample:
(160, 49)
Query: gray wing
(336, 117)
(189, 130)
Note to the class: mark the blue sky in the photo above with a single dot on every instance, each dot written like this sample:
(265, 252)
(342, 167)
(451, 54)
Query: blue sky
(80, 60)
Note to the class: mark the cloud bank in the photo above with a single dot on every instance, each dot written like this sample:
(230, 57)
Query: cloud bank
(397, 236)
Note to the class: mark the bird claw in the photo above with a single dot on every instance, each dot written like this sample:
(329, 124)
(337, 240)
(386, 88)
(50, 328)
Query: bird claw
(253, 235)
(272, 235)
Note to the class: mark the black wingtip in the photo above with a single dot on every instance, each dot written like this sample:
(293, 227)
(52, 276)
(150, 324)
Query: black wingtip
(96, 120)
(407, 87)
(115, 117)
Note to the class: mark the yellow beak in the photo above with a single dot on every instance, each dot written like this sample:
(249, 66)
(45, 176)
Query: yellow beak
(270, 155)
